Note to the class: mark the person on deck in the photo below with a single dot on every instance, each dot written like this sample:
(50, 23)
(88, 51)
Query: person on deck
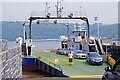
(70, 55)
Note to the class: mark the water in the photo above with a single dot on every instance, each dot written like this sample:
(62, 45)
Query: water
(40, 44)
(47, 44)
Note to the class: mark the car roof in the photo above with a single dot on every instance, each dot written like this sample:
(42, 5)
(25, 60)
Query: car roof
(94, 54)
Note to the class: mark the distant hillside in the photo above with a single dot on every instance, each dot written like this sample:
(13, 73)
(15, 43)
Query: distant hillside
(12, 30)
(110, 31)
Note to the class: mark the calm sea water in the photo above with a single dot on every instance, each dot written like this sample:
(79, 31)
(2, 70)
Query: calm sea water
(47, 44)
(40, 44)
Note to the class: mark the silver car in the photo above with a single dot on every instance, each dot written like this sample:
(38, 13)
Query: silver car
(94, 58)
(79, 54)
(65, 51)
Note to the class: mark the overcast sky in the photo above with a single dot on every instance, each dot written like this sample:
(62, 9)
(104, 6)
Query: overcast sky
(107, 10)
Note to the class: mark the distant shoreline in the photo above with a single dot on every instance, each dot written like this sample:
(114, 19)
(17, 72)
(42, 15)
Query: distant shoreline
(43, 40)
(39, 40)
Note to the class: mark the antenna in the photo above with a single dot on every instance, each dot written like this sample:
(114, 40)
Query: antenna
(59, 8)
(47, 13)
(80, 11)
(47, 9)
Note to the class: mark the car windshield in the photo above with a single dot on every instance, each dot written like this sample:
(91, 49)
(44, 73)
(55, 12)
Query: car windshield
(94, 55)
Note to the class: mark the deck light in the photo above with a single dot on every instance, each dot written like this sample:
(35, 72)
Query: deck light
(55, 21)
(70, 15)
(38, 21)
(48, 15)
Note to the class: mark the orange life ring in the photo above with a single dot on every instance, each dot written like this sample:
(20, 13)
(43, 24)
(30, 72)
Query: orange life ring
(84, 40)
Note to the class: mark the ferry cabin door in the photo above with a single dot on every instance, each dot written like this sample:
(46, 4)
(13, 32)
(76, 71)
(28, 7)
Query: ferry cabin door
(80, 46)
(64, 44)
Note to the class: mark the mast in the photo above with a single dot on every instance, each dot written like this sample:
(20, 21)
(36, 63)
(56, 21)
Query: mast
(80, 11)
(59, 8)
(47, 9)
(47, 13)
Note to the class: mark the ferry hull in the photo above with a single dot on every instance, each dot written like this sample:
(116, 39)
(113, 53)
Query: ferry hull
(27, 67)
(29, 64)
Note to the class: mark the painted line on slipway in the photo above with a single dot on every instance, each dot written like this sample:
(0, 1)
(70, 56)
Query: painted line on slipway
(87, 76)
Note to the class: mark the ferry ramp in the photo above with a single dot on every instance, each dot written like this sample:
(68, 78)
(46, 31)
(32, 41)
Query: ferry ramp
(79, 68)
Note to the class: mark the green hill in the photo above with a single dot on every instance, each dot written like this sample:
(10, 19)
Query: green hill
(12, 30)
